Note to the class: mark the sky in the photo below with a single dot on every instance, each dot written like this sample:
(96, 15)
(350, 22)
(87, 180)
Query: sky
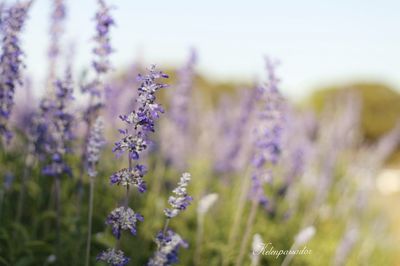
(317, 42)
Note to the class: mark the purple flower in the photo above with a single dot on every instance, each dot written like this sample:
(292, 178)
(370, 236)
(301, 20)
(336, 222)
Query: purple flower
(59, 128)
(268, 133)
(95, 143)
(167, 249)
(133, 144)
(133, 177)
(141, 120)
(181, 199)
(103, 23)
(138, 124)
(56, 29)
(123, 218)
(12, 22)
(113, 257)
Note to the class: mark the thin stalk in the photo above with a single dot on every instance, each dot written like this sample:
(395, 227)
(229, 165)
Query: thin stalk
(288, 257)
(247, 233)
(82, 165)
(1, 203)
(199, 239)
(166, 226)
(21, 197)
(233, 234)
(89, 236)
(58, 214)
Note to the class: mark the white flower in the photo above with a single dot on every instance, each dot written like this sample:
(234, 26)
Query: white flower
(206, 202)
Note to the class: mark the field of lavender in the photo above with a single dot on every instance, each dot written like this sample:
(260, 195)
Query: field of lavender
(150, 166)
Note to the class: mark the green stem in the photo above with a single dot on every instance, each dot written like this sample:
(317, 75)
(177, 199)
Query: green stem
(199, 239)
(246, 236)
(21, 197)
(58, 214)
(89, 236)
(166, 226)
(233, 234)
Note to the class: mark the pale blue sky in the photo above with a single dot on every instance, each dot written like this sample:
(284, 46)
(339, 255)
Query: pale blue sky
(318, 42)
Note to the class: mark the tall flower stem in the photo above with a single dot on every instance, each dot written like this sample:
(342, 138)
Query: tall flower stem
(83, 159)
(199, 239)
(57, 193)
(1, 203)
(246, 236)
(90, 217)
(21, 196)
(233, 234)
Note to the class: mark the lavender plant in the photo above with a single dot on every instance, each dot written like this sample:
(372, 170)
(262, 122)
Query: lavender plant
(168, 242)
(12, 22)
(267, 148)
(96, 88)
(139, 124)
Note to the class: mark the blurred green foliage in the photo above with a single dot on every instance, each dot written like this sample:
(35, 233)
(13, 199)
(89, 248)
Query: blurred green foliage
(380, 105)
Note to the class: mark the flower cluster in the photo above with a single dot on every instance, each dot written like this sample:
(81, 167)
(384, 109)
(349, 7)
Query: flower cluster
(133, 144)
(59, 127)
(12, 22)
(95, 142)
(113, 257)
(142, 119)
(130, 177)
(181, 199)
(101, 63)
(168, 245)
(123, 218)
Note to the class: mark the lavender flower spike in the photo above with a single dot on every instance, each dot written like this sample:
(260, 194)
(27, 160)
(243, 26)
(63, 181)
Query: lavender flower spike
(168, 245)
(113, 257)
(56, 29)
(181, 199)
(95, 142)
(103, 21)
(142, 119)
(139, 123)
(268, 133)
(12, 23)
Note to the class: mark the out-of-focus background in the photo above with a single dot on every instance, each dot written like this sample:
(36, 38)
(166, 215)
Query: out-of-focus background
(334, 187)
(319, 43)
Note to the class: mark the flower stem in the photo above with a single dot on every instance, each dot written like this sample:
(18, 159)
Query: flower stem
(89, 236)
(199, 239)
(57, 193)
(246, 236)
(21, 196)
(166, 227)
(233, 234)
